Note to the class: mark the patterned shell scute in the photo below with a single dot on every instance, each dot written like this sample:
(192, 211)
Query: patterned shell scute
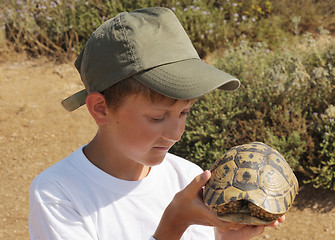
(255, 173)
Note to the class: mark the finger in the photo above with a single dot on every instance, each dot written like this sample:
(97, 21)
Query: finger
(230, 226)
(236, 226)
(222, 225)
(282, 219)
(276, 223)
(273, 224)
(198, 182)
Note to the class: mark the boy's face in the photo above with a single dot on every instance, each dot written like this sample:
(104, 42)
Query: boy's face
(142, 132)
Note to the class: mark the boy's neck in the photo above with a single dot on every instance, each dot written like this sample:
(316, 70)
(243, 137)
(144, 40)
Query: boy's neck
(103, 158)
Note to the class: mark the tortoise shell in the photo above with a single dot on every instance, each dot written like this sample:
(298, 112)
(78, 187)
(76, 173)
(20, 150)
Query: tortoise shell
(251, 184)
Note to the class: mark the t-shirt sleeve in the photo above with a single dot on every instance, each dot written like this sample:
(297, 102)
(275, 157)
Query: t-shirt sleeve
(56, 221)
(52, 216)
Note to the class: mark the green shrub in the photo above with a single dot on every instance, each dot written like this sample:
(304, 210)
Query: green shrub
(281, 93)
(287, 75)
(323, 171)
(61, 27)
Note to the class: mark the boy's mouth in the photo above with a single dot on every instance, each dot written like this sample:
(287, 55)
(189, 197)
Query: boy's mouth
(165, 148)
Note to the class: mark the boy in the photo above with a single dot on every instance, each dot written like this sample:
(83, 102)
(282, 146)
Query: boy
(141, 75)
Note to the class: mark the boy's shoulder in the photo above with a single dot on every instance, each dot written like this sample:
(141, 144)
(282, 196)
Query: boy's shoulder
(61, 171)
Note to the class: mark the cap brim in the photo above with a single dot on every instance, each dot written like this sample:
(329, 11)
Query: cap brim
(187, 79)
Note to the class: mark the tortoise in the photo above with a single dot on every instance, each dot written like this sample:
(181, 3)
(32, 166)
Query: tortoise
(250, 184)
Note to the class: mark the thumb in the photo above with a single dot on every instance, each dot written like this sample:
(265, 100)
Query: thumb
(199, 181)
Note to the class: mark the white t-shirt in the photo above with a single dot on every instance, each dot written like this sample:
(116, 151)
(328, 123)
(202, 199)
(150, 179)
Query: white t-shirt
(74, 199)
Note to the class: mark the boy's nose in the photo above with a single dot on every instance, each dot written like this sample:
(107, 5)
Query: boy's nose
(174, 131)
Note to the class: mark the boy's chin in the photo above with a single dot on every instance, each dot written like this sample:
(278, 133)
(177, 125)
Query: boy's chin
(154, 161)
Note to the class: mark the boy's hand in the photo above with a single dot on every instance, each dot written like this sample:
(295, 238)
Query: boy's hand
(245, 232)
(187, 208)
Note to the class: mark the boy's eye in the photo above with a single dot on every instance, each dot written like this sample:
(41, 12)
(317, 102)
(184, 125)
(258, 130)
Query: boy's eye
(157, 119)
(162, 118)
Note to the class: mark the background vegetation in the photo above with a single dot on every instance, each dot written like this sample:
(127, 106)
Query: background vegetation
(282, 51)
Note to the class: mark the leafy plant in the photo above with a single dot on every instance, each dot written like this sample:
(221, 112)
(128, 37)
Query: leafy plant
(282, 91)
(323, 171)
(61, 27)
(287, 73)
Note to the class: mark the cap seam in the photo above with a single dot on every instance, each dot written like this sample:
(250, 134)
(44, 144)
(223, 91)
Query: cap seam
(194, 84)
(130, 47)
(189, 78)
(172, 86)
(169, 74)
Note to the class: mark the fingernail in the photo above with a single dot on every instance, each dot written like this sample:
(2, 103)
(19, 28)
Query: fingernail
(205, 174)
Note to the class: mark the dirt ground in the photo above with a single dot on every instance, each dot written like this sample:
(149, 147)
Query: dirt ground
(36, 132)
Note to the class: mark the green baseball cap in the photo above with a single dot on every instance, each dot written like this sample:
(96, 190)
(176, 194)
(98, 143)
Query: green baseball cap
(150, 45)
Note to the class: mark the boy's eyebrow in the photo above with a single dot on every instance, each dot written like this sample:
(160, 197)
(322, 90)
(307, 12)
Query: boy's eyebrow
(168, 107)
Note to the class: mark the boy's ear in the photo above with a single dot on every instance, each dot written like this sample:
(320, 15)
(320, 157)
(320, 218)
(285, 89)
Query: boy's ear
(97, 106)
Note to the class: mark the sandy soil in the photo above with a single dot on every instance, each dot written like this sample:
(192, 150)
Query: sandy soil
(36, 132)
